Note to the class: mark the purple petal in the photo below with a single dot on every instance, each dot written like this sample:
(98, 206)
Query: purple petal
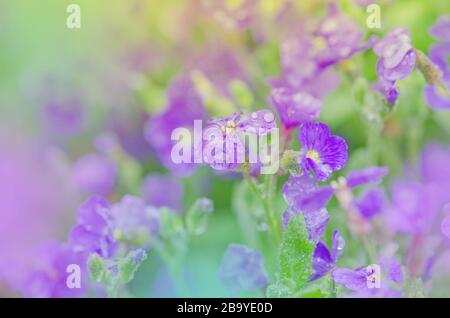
(371, 203)
(334, 153)
(315, 200)
(295, 108)
(402, 70)
(436, 98)
(261, 122)
(337, 246)
(316, 223)
(441, 29)
(367, 175)
(393, 269)
(92, 214)
(297, 187)
(355, 280)
(95, 174)
(314, 135)
(322, 262)
(445, 226)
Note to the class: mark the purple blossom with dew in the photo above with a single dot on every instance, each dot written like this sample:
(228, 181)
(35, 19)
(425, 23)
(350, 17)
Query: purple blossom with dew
(325, 260)
(294, 107)
(133, 220)
(242, 269)
(438, 96)
(372, 281)
(95, 174)
(163, 191)
(224, 145)
(322, 153)
(295, 188)
(397, 61)
(93, 232)
(158, 130)
(371, 203)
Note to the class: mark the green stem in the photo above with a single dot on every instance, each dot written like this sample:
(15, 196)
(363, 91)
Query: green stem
(265, 199)
(371, 255)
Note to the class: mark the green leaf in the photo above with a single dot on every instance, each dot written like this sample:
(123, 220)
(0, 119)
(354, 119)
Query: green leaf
(95, 267)
(197, 216)
(130, 264)
(296, 252)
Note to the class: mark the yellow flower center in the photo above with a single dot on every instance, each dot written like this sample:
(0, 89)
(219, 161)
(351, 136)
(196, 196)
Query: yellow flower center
(313, 155)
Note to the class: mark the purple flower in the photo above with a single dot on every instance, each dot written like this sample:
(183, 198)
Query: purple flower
(295, 188)
(437, 96)
(322, 153)
(242, 269)
(224, 145)
(342, 36)
(295, 108)
(93, 232)
(441, 29)
(64, 116)
(48, 276)
(160, 190)
(184, 106)
(95, 174)
(413, 207)
(232, 15)
(133, 220)
(325, 260)
(445, 226)
(369, 281)
(397, 61)
(319, 198)
(371, 203)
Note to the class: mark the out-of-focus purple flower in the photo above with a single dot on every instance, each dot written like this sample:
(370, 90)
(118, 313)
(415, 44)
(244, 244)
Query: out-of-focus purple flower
(93, 233)
(397, 61)
(371, 281)
(132, 219)
(184, 106)
(437, 96)
(242, 269)
(319, 198)
(342, 36)
(160, 190)
(295, 108)
(95, 174)
(64, 116)
(325, 260)
(361, 177)
(413, 207)
(295, 188)
(371, 203)
(441, 29)
(224, 146)
(48, 277)
(445, 226)
(233, 15)
(220, 66)
(322, 153)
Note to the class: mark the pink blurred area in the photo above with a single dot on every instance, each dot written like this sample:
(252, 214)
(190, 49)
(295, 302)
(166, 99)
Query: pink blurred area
(36, 204)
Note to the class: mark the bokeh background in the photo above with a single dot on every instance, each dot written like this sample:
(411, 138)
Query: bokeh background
(67, 93)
